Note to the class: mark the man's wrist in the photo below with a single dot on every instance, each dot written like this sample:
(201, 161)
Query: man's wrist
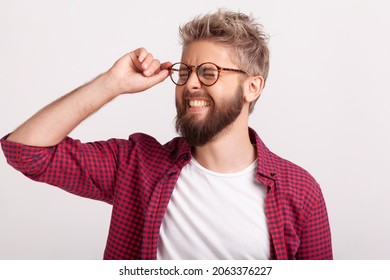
(108, 85)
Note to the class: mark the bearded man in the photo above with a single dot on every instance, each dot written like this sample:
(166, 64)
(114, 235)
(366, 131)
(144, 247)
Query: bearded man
(216, 192)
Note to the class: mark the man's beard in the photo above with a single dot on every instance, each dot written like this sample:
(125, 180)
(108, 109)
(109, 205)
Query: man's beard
(200, 132)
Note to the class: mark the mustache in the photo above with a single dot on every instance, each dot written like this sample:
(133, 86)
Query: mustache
(196, 94)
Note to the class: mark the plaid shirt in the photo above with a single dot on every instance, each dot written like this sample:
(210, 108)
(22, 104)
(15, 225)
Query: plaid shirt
(137, 176)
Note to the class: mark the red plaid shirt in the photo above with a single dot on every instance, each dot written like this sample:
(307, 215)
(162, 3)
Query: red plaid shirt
(137, 176)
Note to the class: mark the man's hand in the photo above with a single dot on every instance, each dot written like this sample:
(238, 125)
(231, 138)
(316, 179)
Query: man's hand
(134, 72)
(137, 71)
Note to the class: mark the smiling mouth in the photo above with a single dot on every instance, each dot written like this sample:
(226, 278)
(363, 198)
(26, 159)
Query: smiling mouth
(198, 103)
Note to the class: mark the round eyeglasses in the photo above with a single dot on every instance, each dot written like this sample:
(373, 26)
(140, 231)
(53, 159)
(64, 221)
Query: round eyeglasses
(207, 73)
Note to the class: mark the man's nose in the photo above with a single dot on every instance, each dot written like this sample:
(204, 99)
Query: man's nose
(193, 81)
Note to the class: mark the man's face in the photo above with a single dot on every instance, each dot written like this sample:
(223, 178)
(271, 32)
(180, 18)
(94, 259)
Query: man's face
(205, 111)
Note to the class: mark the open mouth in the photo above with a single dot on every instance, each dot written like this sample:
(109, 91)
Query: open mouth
(198, 103)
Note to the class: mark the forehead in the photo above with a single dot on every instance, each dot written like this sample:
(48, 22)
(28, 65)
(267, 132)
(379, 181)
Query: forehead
(208, 51)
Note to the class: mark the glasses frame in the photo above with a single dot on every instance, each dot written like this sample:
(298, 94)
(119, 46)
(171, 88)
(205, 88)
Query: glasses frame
(197, 67)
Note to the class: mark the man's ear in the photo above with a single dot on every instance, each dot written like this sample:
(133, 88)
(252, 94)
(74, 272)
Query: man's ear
(253, 88)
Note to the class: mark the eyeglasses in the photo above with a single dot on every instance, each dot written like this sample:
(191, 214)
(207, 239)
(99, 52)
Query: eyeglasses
(207, 73)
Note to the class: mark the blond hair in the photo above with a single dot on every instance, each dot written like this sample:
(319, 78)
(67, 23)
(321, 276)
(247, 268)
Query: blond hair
(236, 30)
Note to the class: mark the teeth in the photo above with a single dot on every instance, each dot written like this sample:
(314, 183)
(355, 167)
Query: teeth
(198, 103)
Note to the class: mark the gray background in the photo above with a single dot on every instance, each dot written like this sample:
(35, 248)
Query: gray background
(325, 107)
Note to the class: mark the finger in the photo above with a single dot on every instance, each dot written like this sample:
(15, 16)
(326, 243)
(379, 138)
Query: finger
(141, 58)
(158, 78)
(148, 60)
(156, 67)
(166, 65)
(134, 57)
(153, 68)
(140, 53)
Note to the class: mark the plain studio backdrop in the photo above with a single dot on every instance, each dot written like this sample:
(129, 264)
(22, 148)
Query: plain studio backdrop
(325, 107)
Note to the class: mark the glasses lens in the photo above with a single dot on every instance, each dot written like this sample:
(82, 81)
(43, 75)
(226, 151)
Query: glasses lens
(208, 73)
(179, 73)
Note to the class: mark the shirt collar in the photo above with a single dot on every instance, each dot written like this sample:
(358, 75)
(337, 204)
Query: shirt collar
(267, 166)
(181, 151)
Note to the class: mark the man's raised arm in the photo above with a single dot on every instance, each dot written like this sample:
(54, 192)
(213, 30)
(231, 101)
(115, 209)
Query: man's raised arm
(132, 73)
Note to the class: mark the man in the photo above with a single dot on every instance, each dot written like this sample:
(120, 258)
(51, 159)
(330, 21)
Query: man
(216, 192)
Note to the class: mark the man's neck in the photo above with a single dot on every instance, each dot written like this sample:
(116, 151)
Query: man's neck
(230, 151)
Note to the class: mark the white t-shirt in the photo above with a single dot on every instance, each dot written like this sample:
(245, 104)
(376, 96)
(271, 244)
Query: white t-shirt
(215, 216)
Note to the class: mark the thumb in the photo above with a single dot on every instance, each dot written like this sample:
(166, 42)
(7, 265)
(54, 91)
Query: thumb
(158, 77)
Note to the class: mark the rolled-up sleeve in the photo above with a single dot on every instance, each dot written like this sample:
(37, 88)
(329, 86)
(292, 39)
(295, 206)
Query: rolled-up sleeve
(84, 169)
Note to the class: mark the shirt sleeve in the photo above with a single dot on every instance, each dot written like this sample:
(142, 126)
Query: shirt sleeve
(85, 169)
(315, 239)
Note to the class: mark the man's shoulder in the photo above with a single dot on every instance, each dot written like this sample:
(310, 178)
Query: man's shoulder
(293, 173)
(289, 176)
